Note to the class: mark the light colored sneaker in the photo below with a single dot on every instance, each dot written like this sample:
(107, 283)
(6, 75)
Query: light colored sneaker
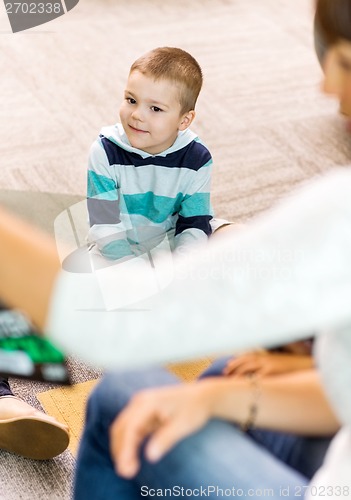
(29, 432)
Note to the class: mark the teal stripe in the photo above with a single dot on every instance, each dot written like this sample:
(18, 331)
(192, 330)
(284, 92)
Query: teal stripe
(101, 187)
(116, 249)
(208, 164)
(196, 204)
(153, 207)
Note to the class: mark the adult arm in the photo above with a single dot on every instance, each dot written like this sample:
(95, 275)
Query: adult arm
(29, 267)
(292, 403)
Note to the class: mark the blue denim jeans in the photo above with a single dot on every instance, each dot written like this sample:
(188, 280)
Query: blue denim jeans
(218, 460)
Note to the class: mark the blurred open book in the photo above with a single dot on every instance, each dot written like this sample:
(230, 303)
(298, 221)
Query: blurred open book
(25, 354)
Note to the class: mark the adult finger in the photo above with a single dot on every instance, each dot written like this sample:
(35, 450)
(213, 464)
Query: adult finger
(127, 433)
(169, 434)
(250, 366)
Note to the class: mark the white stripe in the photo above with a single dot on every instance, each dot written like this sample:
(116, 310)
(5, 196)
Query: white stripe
(162, 181)
(98, 161)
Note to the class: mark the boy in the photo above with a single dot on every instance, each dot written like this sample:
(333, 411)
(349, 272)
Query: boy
(150, 175)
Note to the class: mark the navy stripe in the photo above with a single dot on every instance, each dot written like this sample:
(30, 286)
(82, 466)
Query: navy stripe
(193, 156)
(200, 222)
(103, 211)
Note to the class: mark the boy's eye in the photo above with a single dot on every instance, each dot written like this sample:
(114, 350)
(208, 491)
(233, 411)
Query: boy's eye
(131, 100)
(156, 109)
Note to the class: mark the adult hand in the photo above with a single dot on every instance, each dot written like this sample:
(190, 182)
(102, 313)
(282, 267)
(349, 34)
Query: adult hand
(263, 363)
(166, 414)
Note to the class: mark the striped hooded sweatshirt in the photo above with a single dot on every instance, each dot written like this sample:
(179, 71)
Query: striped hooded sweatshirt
(135, 197)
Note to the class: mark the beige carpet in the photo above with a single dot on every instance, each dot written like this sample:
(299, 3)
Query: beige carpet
(260, 113)
(67, 404)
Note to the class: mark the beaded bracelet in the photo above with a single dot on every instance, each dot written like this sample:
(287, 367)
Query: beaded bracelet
(253, 408)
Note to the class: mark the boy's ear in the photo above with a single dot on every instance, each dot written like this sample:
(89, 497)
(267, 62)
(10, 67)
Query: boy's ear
(186, 120)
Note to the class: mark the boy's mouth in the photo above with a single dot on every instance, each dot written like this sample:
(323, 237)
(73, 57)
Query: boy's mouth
(138, 130)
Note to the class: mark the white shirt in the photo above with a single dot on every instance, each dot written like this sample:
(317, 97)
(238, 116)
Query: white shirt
(285, 275)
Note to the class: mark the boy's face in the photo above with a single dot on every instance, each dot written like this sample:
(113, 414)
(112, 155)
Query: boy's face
(337, 74)
(151, 113)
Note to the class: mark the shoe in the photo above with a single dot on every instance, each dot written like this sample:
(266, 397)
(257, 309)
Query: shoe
(29, 432)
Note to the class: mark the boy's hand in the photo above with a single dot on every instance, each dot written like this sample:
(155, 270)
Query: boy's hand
(167, 415)
(264, 363)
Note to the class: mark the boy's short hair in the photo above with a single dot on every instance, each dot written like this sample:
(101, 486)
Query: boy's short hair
(333, 20)
(177, 66)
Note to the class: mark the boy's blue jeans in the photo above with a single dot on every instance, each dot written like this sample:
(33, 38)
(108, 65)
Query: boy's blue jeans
(210, 463)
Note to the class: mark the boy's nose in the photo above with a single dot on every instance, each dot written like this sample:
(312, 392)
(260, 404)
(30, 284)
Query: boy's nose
(137, 114)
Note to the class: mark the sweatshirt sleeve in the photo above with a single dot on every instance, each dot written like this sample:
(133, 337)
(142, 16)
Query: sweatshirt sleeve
(104, 206)
(193, 224)
(286, 275)
(102, 189)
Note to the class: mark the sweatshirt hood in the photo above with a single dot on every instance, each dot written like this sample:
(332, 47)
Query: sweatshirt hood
(116, 134)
